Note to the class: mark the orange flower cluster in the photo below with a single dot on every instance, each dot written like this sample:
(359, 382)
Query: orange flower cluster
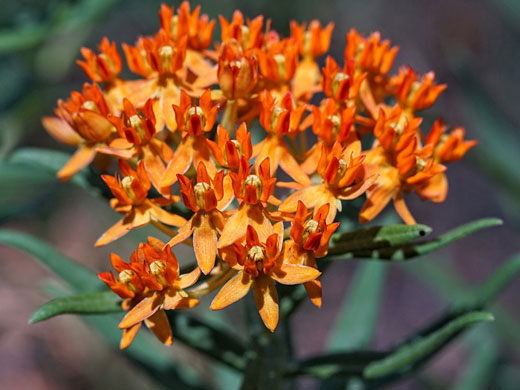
(183, 129)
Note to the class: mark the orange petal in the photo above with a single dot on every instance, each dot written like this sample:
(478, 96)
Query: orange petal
(159, 325)
(189, 279)
(166, 217)
(204, 242)
(144, 309)
(122, 227)
(232, 291)
(228, 193)
(313, 289)
(169, 96)
(435, 189)
(294, 274)
(258, 219)
(311, 196)
(129, 335)
(291, 167)
(235, 227)
(61, 130)
(80, 159)
(180, 162)
(266, 300)
(183, 234)
(402, 209)
(377, 199)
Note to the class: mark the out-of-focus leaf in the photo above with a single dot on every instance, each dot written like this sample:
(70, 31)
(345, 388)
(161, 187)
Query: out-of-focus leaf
(78, 277)
(208, 339)
(22, 187)
(147, 353)
(383, 367)
(404, 357)
(482, 360)
(407, 251)
(49, 161)
(88, 303)
(357, 318)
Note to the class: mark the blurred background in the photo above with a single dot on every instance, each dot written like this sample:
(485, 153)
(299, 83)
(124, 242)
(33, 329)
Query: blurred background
(472, 45)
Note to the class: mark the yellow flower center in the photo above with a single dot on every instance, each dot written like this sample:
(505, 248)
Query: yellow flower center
(175, 27)
(420, 163)
(277, 111)
(126, 183)
(342, 169)
(157, 269)
(125, 277)
(137, 124)
(196, 111)
(400, 125)
(337, 80)
(336, 124)
(90, 105)
(310, 228)
(307, 42)
(281, 65)
(166, 55)
(107, 60)
(256, 255)
(255, 181)
(199, 191)
(245, 36)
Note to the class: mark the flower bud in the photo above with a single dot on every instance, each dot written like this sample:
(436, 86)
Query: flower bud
(237, 72)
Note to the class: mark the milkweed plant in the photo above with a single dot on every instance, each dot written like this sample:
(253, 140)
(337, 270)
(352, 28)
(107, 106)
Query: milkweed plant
(264, 156)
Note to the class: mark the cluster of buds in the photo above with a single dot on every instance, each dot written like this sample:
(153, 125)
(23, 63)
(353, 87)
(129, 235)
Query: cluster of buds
(179, 135)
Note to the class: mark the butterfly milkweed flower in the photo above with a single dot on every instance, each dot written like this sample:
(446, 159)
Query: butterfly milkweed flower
(150, 284)
(260, 265)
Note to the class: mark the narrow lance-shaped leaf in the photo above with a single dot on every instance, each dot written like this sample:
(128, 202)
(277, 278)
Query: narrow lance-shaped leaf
(406, 356)
(357, 318)
(87, 303)
(407, 251)
(78, 277)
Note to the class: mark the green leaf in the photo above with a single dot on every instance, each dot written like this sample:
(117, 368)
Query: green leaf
(49, 161)
(87, 303)
(355, 325)
(404, 357)
(79, 278)
(408, 251)
(378, 237)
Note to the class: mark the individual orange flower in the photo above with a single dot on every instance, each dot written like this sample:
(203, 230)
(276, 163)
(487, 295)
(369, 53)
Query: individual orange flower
(193, 121)
(277, 63)
(82, 121)
(344, 178)
(158, 60)
(280, 120)
(313, 42)
(131, 194)
(103, 67)
(152, 284)
(401, 164)
(248, 35)
(253, 191)
(229, 152)
(341, 84)
(260, 265)
(310, 240)
(371, 54)
(237, 71)
(330, 123)
(205, 198)
(415, 93)
(137, 131)
(199, 30)
(447, 148)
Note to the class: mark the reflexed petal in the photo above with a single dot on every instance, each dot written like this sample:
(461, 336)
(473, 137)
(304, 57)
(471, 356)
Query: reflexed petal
(183, 234)
(164, 216)
(122, 227)
(266, 300)
(129, 335)
(402, 209)
(189, 279)
(159, 325)
(232, 291)
(294, 274)
(313, 289)
(204, 242)
(79, 160)
(180, 162)
(144, 309)
(291, 167)
(235, 227)
(258, 219)
(61, 130)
